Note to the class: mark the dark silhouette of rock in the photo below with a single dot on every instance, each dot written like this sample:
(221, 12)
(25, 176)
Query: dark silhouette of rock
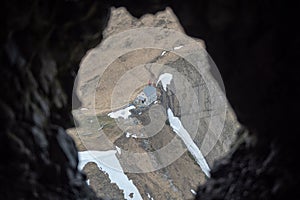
(42, 43)
(255, 46)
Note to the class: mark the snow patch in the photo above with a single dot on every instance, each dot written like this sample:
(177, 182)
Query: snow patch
(123, 113)
(193, 192)
(83, 109)
(149, 196)
(165, 80)
(118, 150)
(88, 181)
(128, 134)
(163, 53)
(109, 163)
(179, 47)
(131, 135)
(188, 141)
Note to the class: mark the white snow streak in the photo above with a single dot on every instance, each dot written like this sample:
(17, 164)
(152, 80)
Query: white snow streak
(109, 163)
(118, 150)
(149, 196)
(193, 192)
(188, 141)
(163, 53)
(179, 47)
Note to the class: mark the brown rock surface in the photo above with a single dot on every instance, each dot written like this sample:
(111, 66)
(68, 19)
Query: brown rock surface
(176, 180)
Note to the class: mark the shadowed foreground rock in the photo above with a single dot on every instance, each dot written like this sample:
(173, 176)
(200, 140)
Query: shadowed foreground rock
(256, 48)
(255, 45)
(42, 43)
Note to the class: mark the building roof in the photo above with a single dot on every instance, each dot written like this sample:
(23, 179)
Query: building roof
(149, 90)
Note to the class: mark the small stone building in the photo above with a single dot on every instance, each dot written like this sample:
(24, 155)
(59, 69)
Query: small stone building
(147, 96)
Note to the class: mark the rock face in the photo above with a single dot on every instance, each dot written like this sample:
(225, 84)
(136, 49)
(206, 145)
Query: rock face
(169, 100)
(42, 44)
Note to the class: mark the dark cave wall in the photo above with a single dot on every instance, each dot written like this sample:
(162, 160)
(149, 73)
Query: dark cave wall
(255, 44)
(42, 43)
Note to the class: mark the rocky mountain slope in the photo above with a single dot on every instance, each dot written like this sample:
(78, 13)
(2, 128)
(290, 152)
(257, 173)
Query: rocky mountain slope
(168, 182)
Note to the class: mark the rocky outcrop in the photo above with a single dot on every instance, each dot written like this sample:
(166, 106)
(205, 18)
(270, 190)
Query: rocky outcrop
(101, 183)
(168, 100)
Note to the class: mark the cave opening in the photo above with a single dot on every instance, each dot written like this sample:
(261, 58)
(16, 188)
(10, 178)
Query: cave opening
(42, 46)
